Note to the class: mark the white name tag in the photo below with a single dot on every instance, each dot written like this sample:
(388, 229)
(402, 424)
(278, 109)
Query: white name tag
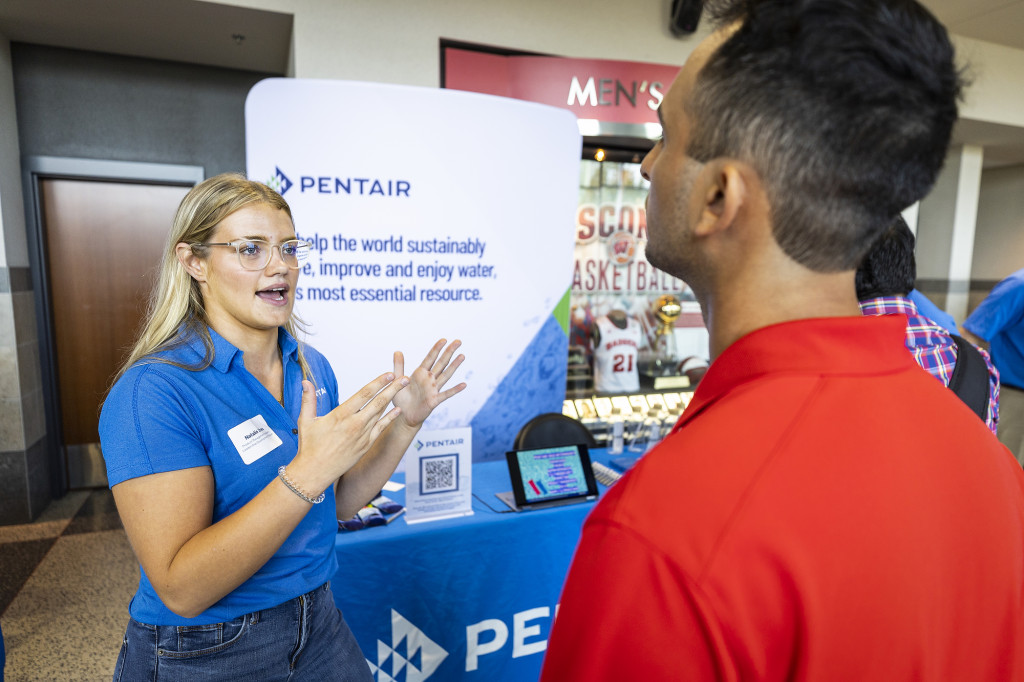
(253, 438)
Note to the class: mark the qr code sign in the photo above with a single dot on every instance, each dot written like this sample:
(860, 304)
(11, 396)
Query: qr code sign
(439, 474)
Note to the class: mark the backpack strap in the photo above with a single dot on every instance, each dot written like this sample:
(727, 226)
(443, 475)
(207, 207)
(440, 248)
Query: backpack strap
(970, 376)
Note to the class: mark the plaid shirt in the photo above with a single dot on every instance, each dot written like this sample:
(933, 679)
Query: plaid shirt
(932, 347)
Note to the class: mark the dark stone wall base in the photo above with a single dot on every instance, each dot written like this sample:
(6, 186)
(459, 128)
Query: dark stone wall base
(24, 484)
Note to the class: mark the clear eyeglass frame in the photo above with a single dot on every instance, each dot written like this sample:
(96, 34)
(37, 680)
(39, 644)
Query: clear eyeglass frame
(255, 254)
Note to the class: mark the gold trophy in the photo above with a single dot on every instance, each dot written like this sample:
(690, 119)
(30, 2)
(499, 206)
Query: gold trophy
(666, 311)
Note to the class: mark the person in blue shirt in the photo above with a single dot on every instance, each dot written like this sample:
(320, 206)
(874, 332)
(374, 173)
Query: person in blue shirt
(933, 312)
(231, 457)
(999, 322)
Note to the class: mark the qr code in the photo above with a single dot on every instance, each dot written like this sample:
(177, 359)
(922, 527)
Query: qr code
(439, 474)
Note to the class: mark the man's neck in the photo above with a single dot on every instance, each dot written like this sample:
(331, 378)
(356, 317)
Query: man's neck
(739, 310)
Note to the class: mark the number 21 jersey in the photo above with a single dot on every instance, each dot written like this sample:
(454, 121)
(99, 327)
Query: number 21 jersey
(615, 368)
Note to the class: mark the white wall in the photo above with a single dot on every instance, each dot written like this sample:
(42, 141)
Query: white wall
(934, 221)
(994, 73)
(396, 41)
(999, 243)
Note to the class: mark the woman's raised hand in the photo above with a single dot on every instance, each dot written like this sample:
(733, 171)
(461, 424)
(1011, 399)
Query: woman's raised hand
(417, 400)
(330, 445)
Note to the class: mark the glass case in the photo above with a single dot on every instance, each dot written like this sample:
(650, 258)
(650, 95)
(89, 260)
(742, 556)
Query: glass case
(637, 340)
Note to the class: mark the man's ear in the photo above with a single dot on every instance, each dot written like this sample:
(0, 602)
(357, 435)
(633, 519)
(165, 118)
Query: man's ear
(725, 192)
(190, 261)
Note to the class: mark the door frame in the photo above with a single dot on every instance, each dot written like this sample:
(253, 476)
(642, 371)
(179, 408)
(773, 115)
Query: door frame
(34, 169)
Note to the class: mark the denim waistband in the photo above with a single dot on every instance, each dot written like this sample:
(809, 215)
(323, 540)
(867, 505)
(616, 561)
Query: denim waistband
(256, 616)
(301, 638)
(303, 599)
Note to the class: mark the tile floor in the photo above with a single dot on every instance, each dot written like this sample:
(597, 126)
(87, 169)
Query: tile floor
(65, 583)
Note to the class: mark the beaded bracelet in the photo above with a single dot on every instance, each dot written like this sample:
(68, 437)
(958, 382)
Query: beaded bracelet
(291, 486)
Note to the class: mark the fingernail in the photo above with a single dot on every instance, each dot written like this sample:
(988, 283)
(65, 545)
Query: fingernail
(391, 377)
(405, 381)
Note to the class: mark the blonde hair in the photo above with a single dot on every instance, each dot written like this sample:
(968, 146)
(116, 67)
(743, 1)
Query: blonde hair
(176, 311)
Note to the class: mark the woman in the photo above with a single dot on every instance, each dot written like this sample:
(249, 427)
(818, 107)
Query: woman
(231, 461)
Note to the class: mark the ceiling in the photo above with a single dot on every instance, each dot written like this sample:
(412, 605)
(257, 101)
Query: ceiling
(202, 32)
(256, 40)
(994, 21)
(176, 30)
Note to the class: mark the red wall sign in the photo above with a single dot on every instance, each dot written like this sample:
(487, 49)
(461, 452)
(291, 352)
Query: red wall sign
(605, 90)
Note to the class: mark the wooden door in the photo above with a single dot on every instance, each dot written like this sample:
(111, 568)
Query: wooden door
(104, 241)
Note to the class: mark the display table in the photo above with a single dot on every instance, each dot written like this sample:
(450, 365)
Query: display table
(470, 598)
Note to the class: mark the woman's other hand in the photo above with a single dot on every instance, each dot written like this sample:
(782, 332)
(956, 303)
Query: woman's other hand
(424, 392)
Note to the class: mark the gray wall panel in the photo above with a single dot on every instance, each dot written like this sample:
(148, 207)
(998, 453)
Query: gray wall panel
(98, 106)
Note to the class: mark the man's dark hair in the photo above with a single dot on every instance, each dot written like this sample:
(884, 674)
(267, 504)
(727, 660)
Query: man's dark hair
(889, 267)
(844, 107)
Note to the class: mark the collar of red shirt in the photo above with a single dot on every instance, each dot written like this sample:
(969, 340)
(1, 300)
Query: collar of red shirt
(825, 346)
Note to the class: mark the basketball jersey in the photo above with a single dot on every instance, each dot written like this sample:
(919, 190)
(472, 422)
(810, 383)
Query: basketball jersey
(615, 358)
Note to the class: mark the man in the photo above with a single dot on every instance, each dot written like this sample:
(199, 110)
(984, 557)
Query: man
(823, 510)
(999, 322)
(884, 281)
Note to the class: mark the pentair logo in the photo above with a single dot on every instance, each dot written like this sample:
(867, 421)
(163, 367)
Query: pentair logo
(410, 651)
(279, 182)
(419, 445)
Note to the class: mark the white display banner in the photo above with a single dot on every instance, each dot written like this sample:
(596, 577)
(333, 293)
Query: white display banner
(439, 475)
(433, 213)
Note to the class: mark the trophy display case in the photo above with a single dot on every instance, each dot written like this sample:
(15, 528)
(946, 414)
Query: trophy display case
(629, 374)
(645, 418)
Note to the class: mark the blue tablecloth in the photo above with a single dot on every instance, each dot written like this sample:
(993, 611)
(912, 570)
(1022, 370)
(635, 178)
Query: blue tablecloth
(470, 598)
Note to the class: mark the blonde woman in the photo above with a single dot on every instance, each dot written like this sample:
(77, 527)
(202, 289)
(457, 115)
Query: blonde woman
(231, 459)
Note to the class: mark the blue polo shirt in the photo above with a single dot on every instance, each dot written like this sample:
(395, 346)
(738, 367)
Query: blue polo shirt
(999, 319)
(933, 312)
(159, 417)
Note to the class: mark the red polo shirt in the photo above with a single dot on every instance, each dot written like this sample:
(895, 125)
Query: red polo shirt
(824, 510)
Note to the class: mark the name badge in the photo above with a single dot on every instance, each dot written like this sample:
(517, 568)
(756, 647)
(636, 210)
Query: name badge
(253, 438)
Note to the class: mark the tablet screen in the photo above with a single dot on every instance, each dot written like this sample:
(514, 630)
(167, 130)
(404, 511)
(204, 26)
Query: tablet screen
(553, 473)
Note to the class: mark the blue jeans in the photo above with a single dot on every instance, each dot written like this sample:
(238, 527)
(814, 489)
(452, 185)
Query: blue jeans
(303, 639)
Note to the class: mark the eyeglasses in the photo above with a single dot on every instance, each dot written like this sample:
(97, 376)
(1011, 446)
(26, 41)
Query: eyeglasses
(254, 254)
